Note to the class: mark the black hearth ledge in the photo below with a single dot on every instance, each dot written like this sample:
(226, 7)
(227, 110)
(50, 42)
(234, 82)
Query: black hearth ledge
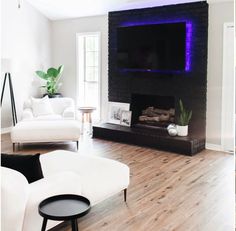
(154, 138)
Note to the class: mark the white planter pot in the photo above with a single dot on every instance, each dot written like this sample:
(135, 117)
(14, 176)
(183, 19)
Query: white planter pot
(182, 130)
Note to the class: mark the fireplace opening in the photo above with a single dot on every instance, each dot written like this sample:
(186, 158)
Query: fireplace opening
(152, 111)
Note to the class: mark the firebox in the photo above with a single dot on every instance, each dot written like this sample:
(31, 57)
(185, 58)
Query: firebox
(152, 111)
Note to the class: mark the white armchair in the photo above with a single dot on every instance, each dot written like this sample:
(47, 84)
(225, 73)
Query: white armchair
(64, 172)
(58, 125)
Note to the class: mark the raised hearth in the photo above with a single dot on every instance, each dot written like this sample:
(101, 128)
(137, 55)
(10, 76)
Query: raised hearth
(156, 138)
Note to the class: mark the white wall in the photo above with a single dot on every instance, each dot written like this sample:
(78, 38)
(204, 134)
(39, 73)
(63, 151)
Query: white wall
(64, 52)
(219, 13)
(26, 40)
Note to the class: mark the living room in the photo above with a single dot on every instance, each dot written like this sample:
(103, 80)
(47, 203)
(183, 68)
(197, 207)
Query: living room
(140, 92)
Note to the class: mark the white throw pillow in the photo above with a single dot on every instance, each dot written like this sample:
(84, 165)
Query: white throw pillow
(41, 106)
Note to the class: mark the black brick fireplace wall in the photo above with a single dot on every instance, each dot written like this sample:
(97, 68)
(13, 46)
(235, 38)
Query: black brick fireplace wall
(188, 86)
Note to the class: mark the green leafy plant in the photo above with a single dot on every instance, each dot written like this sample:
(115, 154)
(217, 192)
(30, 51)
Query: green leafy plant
(184, 115)
(52, 77)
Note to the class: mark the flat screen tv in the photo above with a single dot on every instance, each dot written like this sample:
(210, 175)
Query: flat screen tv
(155, 47)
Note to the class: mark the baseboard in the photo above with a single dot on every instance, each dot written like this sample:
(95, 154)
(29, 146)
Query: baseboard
(6, 130)
(214, 147)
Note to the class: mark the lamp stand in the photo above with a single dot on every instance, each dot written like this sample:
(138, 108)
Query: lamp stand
(13, 106)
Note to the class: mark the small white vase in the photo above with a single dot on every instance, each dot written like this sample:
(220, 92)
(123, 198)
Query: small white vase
(182, 130)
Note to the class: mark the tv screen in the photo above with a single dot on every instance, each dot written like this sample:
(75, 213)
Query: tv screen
(152, 47)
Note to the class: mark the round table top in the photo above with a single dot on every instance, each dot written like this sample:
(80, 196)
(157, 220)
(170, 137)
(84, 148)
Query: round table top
(87, 109)
(64, 207)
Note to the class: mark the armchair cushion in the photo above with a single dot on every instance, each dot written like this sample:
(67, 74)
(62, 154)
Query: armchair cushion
(45, 131)
(27, 114)
(28, 165)
(41, 106)
(48, 117)
(69, 113)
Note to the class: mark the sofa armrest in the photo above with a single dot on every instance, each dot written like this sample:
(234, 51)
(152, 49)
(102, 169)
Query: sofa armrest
(27, 114)
(69, 113)
(15, 192)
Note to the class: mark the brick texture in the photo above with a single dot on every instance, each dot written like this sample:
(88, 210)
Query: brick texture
(188, 86)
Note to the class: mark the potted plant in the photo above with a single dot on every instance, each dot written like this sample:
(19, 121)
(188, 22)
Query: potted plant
(183, 120)
(52, 77)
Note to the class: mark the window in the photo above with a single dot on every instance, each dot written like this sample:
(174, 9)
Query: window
(88, 64)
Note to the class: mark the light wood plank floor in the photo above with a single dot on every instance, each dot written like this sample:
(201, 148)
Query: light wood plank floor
(168, 192)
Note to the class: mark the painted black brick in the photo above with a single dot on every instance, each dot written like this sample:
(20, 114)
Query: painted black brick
(191, 86)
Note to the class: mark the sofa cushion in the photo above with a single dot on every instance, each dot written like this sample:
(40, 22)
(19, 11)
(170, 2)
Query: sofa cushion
(66, 182)
(28, 165)
(100, 177)
(41, 106)
(49, 117)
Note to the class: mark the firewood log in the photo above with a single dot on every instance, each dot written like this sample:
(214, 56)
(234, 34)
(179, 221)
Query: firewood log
(172, 112)
(151, 111)
(165, 117)
(148, 118)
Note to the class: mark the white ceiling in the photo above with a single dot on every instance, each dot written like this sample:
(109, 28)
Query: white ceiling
(64, 9)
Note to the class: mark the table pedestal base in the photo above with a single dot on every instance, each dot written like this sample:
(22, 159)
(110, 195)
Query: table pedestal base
(74, 225)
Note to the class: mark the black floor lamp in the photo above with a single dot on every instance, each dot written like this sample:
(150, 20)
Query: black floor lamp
(6, 69)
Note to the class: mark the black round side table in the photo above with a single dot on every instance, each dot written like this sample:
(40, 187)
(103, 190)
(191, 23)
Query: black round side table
(63, 208)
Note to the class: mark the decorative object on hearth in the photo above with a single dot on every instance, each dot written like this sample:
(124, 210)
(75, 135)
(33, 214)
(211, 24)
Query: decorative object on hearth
(52, 78)
(172, 130)
(183, 120)
(115, 109)
(126, 118)
(6, 68)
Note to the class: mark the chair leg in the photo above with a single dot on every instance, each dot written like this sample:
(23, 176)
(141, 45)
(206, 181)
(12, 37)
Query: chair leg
(125, 194)
(14, 147)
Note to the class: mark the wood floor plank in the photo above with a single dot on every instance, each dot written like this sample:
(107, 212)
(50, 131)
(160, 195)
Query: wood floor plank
(167, 192)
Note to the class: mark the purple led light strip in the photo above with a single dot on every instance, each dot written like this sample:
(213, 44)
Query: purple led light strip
(188, 46)
(188, 40)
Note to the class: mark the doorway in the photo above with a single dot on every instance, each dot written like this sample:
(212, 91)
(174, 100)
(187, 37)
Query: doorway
(89, 71)
(228, 84)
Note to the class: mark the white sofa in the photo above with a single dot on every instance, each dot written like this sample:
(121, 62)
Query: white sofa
(61, 125)
(64, 172)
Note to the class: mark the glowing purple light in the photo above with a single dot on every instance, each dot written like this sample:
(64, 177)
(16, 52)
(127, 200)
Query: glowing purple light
(151, 70)
(188, 42)
(188, 46)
